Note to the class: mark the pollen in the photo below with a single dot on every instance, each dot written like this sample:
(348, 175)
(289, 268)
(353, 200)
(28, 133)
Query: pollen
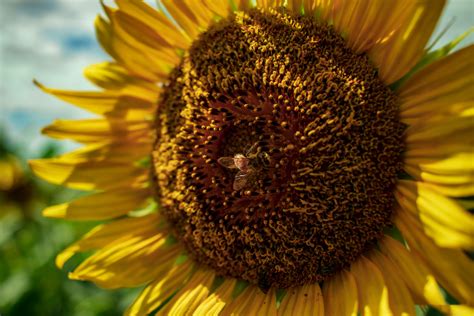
(319, 140)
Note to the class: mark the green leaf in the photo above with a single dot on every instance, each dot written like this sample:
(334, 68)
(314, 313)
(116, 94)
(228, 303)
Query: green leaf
(239, 288)
(395, 233)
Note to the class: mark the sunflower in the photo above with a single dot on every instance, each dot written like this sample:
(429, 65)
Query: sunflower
(278, 157)
(17, 192)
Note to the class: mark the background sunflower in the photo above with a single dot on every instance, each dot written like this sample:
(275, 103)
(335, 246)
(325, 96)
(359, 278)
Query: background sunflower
(228, 285)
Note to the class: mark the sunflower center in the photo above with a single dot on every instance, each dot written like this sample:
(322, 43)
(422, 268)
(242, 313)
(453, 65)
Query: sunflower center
(277, 150)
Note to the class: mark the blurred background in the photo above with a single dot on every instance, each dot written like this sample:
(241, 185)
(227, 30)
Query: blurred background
(52, 41)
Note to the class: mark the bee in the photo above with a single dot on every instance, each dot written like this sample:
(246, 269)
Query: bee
(241, 162)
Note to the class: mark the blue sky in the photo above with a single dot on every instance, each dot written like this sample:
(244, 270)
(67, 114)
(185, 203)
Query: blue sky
(53, 41)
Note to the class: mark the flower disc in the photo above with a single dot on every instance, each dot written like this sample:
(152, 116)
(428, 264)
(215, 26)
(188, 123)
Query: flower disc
(318, 138)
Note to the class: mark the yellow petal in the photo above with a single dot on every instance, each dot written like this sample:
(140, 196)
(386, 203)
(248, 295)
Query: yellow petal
(252, 302)
(306, 300)
(104, 35)
(142, 36)
(11, 174)
(451, 143)
(107, 234)
(99, 206)
(112, 76)
(157, 292)
(381, 19)
(441, 153)
(310, 6)
(267, 4)
(141, 32)
(295, 5)
(221, 8)
(340, 295)
(263, 304)
(373, 293)
(447, 129)
(442, 148)
(238, 305)
(397, 55)
(156, 20)
(439, 114)
(453, 269)
(400, 299)
(461, 310)
(183, 16)
(98, 130)
(202, 13)
(134, 261)
(111, 152)
(440, 179)
(369, 22)
(103, 102)
(457, 191)
(460, 163)
(191, 295)
(92, 175)
(442, 88)
(329, 10)
(342, 13)
(413, 272)
(215, 302)
(138, 61)
(242, 5)
(441, 218)
(263, 4)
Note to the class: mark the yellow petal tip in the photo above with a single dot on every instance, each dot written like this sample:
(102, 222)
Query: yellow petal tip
(37, 83)
(73, 276)
(55, 211)
(35, 166)
(65, 255)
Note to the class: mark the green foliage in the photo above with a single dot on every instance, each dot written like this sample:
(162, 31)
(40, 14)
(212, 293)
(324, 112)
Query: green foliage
(30, 282)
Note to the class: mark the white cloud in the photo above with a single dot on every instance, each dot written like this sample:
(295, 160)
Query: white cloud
(52, 41)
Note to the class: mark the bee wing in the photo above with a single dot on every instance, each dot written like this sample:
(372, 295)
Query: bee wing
(240, 181)
(265, 158)
(227, 162)
(252, 151)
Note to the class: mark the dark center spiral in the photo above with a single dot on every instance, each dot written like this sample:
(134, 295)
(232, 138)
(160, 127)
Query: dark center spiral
(320, 137)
